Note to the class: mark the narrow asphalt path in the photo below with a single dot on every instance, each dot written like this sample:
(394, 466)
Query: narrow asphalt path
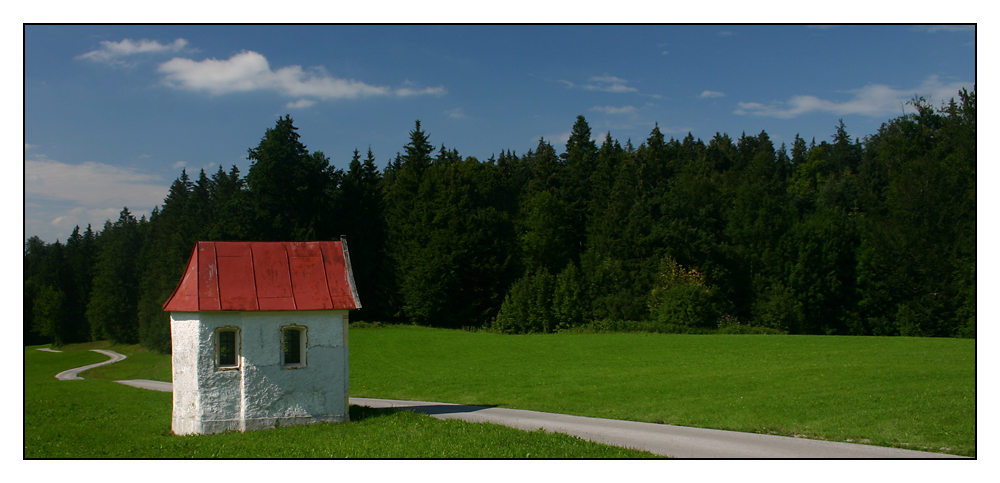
(72, 374)
(660, 439)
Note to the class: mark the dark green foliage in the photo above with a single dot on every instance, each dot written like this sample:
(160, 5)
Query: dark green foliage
(361, 210)
(547, 239)
(528, 306)
(57, 284)
(113, 307)
(845, 236)
(50, 312)
(569, 301)
(453, 274)
(917, 260)
(288, 189)
(681, 298)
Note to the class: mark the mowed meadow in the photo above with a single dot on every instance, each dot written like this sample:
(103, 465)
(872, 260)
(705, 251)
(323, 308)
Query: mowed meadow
(914, 393)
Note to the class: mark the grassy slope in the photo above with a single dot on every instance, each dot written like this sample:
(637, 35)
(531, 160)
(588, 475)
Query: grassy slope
(98, 418)
(916, 393)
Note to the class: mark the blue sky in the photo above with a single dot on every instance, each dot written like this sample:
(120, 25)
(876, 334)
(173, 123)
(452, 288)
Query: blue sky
(113, 113)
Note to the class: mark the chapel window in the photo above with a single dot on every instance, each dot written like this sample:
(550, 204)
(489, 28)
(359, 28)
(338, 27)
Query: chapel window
(293, 346)
(227, 348)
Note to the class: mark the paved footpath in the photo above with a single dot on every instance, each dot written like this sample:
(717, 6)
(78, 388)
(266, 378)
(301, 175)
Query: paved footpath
(72, 374)
(660, 439)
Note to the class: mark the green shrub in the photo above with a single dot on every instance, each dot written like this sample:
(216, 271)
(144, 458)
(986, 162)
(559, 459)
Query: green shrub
(685, 306)
(729, 324)
(610, 325)
(540, 302)
(682, 298)
(779, 309)
(528, 306)
(568, 300)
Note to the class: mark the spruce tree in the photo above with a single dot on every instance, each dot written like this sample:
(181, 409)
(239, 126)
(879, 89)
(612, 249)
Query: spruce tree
(113, 307)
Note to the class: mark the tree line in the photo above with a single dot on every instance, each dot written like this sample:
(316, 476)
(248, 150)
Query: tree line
(854, 237)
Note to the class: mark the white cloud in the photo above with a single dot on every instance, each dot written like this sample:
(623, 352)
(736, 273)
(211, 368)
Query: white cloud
(608, 83)
(556, 140)
(614, 110)
(874, 100)
(456, 113)
(111, 52)
(299, 104)
(250, 71)
(59, 196)
(91, 184)
(179, 164)
(726, 33)
(709, 94)
(51, 225)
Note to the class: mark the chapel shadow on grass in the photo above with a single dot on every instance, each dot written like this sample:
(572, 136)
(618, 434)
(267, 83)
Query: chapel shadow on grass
(364, 412)
(360, 413)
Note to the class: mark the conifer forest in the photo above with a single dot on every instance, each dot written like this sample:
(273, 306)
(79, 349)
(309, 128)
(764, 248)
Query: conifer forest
(840, 236)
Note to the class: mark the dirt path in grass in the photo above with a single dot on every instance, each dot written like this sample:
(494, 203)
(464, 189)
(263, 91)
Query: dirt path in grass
(660, 439)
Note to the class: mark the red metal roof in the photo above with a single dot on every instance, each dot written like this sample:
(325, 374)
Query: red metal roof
(247, 276)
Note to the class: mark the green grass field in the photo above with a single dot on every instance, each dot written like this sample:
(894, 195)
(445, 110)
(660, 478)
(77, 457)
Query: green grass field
(915, 393)
(98, 418)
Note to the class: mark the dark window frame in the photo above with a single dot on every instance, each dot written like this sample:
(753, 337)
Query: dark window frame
(302, 334)
(221, 360)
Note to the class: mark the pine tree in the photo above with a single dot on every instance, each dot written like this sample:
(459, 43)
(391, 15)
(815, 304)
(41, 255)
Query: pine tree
(287, 195)
(362, 219)
(113, 307)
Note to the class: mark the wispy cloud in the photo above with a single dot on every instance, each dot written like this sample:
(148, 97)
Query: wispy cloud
(91, 184)
(944, 28)
(179, 164)
(300, 104)
(557, 140)
(602, 83)
(726, 33)
(874, 100)
(59, 196)
(250, 71)
(410, 89)
(456, 113)
(608, 83)
(113, 52)
(710, 94)
(614, 109)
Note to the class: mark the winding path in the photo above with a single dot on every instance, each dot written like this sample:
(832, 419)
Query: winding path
(73, 374)
(660, 439)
